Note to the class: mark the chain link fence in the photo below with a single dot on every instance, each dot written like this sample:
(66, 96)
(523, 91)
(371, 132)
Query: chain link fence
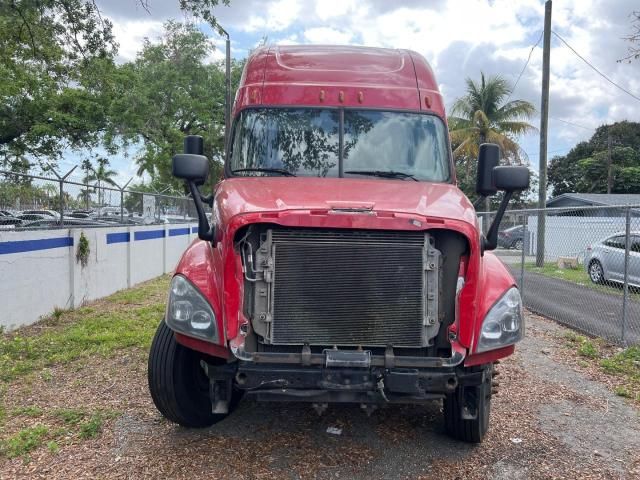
(29, 202)
(577, 265)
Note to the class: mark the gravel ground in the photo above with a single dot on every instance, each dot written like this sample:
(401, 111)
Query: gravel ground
(550, 419)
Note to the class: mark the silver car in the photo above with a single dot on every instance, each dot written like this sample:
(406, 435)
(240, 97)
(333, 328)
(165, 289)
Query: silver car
(604, 260)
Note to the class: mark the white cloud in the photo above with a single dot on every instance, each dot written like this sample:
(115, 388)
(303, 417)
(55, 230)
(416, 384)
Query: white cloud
(327, 35)
(131, 33)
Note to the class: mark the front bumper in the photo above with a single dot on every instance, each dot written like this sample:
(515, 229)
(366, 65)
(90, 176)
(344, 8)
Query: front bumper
(318, 384)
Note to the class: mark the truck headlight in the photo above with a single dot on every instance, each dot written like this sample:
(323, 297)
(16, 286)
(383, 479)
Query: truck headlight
(188, 312)
(504, 324)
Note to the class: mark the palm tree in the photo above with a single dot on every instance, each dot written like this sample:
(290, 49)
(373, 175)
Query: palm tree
(102, 174)
(485, 114)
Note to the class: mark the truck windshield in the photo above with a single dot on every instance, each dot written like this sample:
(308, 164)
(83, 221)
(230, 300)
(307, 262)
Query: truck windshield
(306, 142)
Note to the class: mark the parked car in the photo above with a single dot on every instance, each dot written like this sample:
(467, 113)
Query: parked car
(32, 217)
(8, 221)
(342, 264)
(512, 237)
(111, 211)
(46, 213)
(66, 222)
(604, 260)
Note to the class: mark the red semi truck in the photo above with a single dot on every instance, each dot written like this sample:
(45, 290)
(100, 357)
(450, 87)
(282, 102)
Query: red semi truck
(342, 263)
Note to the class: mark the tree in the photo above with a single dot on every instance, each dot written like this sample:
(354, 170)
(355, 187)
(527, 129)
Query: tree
(633, 51)
(54, 55)
(101, 174)
(585, 168)
(168, 92)
(485, 114)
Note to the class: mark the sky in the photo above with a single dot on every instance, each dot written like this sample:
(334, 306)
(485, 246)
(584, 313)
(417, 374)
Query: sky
(459, 38)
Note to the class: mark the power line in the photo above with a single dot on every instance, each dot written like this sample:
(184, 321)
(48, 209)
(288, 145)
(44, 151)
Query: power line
(525, 65)
(594, 68)
(571, 123)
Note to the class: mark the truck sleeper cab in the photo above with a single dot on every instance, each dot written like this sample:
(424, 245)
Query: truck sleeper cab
(342, 263)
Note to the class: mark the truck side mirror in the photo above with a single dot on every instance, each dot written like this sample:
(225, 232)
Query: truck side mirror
(190, 167)
(193, 167)
(511, 178)
(488, 159)
(491, 178)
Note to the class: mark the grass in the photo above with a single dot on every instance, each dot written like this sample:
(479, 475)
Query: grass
(24, 441)
(624, 364)
(129, 319)
(125, 320)
(578, 275)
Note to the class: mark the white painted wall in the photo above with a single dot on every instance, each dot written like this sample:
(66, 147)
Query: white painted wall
(39, 271)
(570, 236)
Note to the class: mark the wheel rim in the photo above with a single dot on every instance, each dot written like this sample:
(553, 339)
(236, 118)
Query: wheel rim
(595, 272)
(518, 245)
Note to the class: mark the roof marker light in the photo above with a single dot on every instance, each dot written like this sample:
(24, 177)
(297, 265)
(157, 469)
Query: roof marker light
(360, 97)
(322, 95)
(341, 96)
(427, 101)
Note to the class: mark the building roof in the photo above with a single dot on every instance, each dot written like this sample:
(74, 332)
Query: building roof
(598, 198)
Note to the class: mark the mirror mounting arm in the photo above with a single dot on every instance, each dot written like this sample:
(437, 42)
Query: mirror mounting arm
(490, 242)
(205, 231)
(208, 200)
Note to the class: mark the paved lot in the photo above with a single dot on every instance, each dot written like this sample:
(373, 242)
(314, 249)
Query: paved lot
(592, 311)
(548, 421)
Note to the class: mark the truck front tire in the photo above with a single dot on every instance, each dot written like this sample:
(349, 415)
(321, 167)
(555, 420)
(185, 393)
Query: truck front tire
(178, 385)
(469, 398)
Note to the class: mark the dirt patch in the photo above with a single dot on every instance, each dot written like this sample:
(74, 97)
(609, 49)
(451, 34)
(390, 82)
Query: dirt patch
(549, 420)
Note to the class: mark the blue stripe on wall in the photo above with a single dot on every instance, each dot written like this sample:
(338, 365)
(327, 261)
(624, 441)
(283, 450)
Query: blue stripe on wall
(178, 231)
(32, 245)
(194, 229)
(148, 234)
(120, 237)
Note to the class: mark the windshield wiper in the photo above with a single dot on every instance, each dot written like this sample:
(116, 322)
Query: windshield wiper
(383, 173)
(279, 171)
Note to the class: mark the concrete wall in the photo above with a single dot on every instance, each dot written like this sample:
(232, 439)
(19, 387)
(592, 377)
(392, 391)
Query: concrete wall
(39, 271)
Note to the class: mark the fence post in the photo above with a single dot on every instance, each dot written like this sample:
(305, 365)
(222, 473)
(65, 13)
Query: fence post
(525, 245)
(61, 180)
(625, 296)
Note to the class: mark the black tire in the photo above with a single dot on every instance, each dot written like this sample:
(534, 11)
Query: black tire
(178, 385)
(471, 431)
(518, 244)
(596, 272)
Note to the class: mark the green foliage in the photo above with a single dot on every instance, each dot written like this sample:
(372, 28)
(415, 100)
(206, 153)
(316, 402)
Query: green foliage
(24, 441)
(588, 349)
(82, 253)
(585, 168)
(92, 427)
(53, 447)
(485, 114)
(169, 92)
(28, 411)
(54, 55)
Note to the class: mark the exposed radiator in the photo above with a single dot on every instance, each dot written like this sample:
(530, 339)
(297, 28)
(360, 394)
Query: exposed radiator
(350, 287)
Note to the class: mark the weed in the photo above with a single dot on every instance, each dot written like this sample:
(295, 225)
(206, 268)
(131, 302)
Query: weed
(82, 253)
(29, 411)
(53, 446)
(70, 416)
(24, 441)
(57, 314)
(623, 392)
(92, 427)
(588, 349)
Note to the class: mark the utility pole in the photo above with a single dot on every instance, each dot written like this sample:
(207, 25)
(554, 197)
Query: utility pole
(609, 175)
(544, 124)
